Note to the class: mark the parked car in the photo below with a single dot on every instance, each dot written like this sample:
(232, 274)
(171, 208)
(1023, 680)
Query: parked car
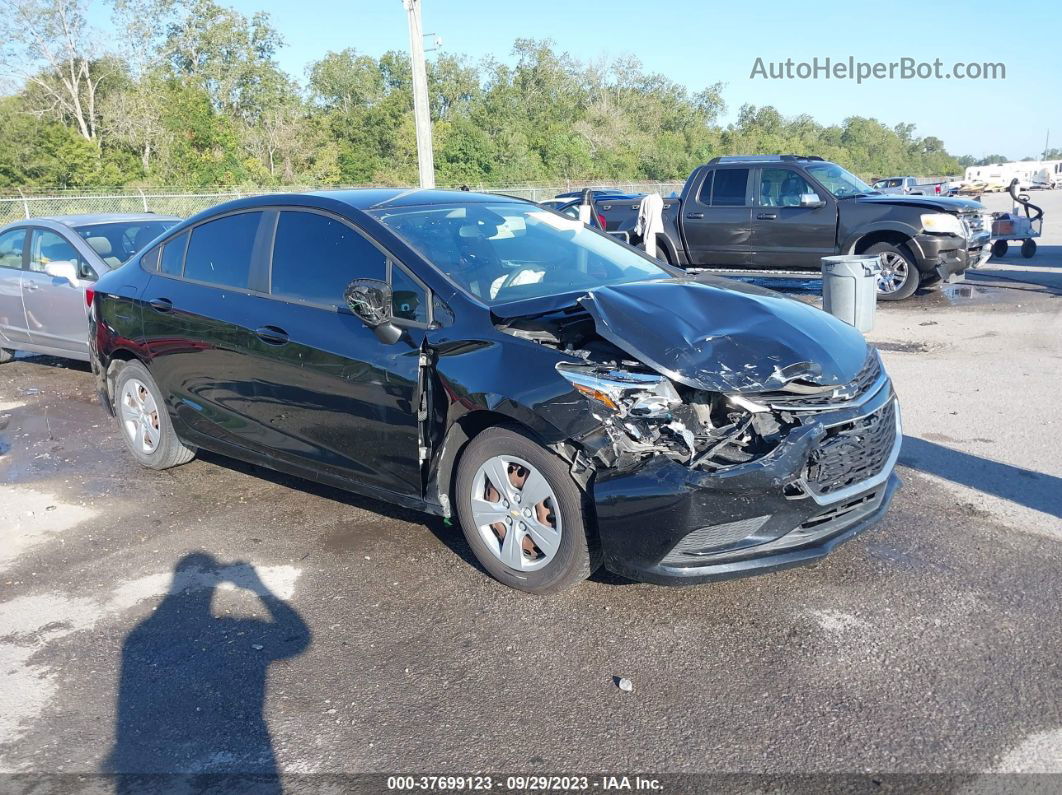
(45, 266)
(789, 211)
(568, 399)
(910, 186)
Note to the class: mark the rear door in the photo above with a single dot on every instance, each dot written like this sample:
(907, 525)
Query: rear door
(12, 315)
(784, 234)
(329, 396)
(717, 218)
(200, 309)
(56, 315)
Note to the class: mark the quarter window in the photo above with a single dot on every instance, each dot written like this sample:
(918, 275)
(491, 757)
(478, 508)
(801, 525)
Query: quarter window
(150, 260)
(11, 245)
(315, 257)
(219, 252)
(172, 261)
(705, 195)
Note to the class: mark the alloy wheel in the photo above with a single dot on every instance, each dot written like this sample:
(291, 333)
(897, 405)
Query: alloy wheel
(515, 512)
(140, 416)
(894, 272)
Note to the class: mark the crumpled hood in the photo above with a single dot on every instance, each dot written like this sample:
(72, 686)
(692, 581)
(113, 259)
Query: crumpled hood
(722, 339)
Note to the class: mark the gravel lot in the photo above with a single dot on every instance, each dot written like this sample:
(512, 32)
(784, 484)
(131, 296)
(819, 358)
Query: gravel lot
(929, 644)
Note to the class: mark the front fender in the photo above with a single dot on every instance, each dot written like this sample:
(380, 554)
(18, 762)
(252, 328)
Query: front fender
(907, 230)
(490, 381)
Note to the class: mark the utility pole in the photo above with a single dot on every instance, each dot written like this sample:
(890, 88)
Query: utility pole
(421, 108)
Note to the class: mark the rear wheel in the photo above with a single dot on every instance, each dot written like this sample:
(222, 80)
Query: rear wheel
(522, 513)
(999, 249)
(144, 422)
(899, 275)
(6, 355)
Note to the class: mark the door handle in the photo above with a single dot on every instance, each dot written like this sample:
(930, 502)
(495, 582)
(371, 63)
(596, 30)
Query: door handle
(271, 335)
(30, 286)
(695, 216)
(161, 304)
(766, 216)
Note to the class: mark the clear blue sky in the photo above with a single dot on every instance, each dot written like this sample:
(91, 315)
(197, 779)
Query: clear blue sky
(701, 42)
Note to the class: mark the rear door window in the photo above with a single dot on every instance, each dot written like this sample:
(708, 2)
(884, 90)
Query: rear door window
(220, 251)
(316, 256)
(729, 187)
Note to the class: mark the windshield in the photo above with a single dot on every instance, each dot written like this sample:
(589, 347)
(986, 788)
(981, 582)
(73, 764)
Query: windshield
(838, 181)
(510, 252)
(116, 242)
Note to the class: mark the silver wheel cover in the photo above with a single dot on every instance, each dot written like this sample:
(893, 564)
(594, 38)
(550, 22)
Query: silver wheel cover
(139, 416)
(516, 513)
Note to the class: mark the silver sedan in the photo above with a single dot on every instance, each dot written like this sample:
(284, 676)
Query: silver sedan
(45, 266)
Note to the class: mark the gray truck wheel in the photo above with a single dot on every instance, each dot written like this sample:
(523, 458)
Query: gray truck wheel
(899, 275)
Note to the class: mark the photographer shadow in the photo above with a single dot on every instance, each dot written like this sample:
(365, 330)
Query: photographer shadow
(192, 686)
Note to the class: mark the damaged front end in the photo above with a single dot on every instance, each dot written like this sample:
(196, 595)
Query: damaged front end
(722, 454)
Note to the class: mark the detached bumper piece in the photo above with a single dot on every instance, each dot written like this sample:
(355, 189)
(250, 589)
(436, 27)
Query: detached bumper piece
(828, 481)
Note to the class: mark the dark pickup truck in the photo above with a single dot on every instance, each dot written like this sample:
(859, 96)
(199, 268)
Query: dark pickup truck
(787, 212)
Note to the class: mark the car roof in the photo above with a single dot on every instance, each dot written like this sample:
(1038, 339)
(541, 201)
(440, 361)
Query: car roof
(373, 198)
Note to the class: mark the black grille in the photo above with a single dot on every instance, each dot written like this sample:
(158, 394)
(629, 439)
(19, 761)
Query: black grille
(824, 400)
(853, 452)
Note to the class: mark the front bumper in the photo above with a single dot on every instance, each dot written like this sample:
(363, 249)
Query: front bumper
(668, 524)
(949, 255)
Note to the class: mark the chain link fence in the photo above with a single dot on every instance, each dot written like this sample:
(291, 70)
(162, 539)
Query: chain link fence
(183, 203)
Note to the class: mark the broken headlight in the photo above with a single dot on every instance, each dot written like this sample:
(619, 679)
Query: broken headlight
(623, 392)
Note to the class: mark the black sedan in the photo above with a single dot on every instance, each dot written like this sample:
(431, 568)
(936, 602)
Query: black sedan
(570, 400)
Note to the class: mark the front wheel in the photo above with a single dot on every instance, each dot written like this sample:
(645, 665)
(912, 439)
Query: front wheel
(899, 275)
(143, 420)
(1028, 248)
(522, 513)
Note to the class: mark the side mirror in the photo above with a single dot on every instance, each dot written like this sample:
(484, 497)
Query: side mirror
(811, 200)
(62, 269)
(370, 300)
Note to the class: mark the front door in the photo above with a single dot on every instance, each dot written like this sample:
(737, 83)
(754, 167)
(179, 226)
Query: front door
(56, 315)
(717, 218)
(12, 315)
(329, 396)
(785, 234)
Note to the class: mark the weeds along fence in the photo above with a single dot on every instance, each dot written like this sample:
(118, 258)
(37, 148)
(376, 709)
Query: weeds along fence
(27, 203)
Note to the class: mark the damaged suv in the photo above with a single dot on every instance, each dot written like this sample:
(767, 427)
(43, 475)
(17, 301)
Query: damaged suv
(569, 400)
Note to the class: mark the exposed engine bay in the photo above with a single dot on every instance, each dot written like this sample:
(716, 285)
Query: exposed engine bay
(646, 413)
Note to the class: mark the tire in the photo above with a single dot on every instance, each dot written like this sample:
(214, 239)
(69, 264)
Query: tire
(901, 277)
(999, 249)
(566, 557)
(1028, 248)
(6, 355)
(143, 421)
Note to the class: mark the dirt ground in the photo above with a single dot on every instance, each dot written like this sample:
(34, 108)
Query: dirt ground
(218, 617)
